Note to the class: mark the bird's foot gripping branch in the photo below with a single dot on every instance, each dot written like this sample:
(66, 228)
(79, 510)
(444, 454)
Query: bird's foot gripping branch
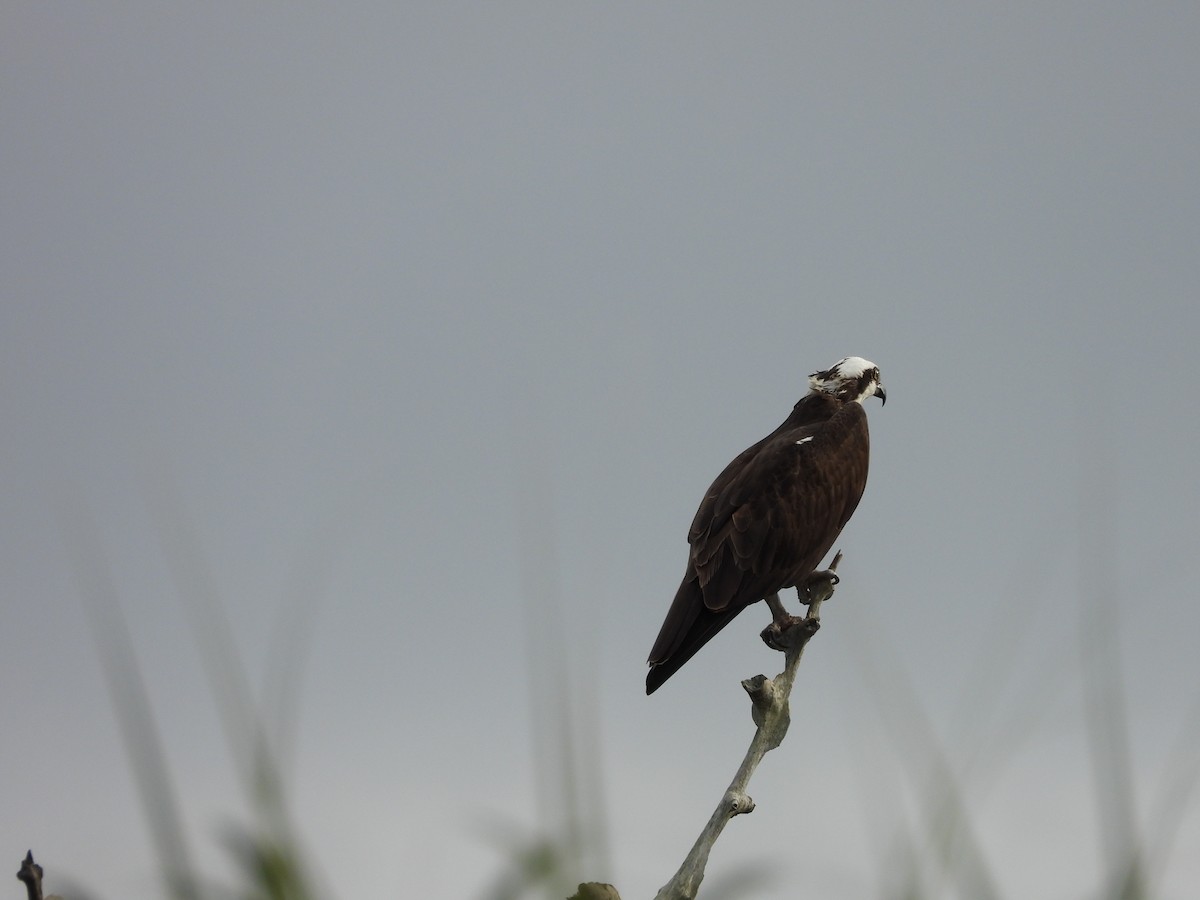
(785, 631)
(818, 587)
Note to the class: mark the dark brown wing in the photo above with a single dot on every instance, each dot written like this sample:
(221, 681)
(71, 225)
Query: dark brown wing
(764, 525)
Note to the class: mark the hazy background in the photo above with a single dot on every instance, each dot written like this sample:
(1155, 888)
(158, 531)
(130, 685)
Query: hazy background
(415, 311)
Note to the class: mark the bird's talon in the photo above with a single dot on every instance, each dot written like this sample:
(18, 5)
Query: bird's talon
(773, 634)
(818, 584)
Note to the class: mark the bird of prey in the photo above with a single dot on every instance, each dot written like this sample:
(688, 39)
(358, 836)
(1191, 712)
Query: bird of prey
(773, 513)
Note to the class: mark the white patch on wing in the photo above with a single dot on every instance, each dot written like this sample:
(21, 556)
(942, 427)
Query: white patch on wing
(805, 440)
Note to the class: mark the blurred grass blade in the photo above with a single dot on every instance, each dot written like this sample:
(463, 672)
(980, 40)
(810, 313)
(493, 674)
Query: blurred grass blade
(118, 659)
(947, 826)
(269, 851)
(1106, 722)
(1178, 788)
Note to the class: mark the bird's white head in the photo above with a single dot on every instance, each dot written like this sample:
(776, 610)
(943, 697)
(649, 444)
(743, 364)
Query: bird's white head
(852, 378)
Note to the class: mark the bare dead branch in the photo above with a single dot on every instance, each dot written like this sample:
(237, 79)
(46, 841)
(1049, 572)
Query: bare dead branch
(593, 890)
(31, 874)
(770, 711)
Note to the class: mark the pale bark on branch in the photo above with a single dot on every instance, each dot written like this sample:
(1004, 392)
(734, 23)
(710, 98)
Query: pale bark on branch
(770, 710)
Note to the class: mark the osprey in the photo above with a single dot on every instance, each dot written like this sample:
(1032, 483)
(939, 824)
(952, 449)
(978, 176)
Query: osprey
(773, 514)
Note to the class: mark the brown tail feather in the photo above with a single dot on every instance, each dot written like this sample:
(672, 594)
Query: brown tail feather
(681, 616)
(688, 627)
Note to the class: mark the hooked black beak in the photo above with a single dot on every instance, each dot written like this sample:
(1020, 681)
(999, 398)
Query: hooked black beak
(881, 394)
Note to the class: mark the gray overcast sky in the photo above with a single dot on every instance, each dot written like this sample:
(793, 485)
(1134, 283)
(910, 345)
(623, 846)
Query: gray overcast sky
(418, 309)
